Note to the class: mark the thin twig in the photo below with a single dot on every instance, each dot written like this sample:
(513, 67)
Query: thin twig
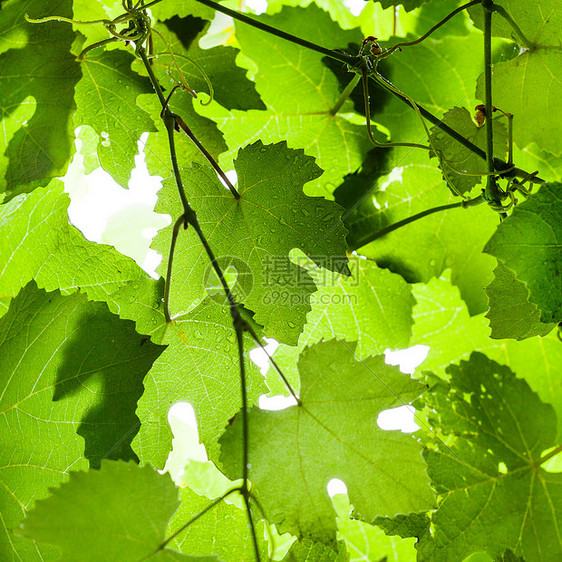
(391, 228)
(345, 94)
(175, 231)
(214, 503)
(173, 123)
(277, 32)
(255, 337)
(183, 126)
(368, 118)
(434, 28)
(492, 192)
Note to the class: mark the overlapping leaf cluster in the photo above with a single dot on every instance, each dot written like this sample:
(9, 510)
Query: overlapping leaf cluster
(89, 366)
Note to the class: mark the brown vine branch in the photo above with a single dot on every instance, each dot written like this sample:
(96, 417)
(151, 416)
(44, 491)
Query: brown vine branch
(189, 218)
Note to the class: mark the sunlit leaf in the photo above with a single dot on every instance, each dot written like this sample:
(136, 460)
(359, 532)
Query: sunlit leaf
(117, 513)
(71, 376)
(333, 433)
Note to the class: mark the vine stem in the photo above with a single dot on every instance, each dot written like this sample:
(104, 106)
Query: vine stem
(367, 106)
(214, 503)
(345, 94)
(433, 29)
(345, 58)
(499, 164)
(281, 374)
(175, 231)
(492, 192)
(179, 123)
(391, 228)
(189, 218)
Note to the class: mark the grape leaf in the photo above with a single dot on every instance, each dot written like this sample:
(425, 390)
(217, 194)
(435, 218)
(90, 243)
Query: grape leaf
(454, 156)
(332, 434)
(529, 242)
(230, 86)
(372, 307)
(433, 11)
(298, 110)
(181, 8)
(119, 512)
(443, 324)
(72, 374)
(256, 233)
(425, 248)
(199, 365)
(490, 475)
(527, 85)
(107, 101)
(310, 551)
(38, 72)
(37, 242)
(224, 530)
(540, 22)
(511, 314)
(408, 4)
(367, 542)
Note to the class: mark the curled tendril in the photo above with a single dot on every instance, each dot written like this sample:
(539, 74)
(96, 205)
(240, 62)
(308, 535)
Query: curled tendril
(500, 207)
(184, 84)
(138, 30)
(65, 19)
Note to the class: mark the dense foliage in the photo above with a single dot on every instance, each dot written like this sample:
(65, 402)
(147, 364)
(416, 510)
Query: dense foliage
(436, 225)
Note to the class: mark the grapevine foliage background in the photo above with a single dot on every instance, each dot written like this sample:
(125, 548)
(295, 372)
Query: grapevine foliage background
(320, 244)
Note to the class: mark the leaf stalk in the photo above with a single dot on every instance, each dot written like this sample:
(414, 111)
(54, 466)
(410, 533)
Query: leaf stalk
(391, 228)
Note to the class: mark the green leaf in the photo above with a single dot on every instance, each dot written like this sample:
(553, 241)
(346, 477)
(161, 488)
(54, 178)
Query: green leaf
(37, 242)
(107, 101)
(298, 110)
(255, 234)
(526, 87)
(425, 248)
(443, 324)
(454, 156)
(37, 78)
(181, 8)
(231, 87)
(224, 531)
(511, 314)
(200, 366)
(540, 22)
(372, 307)
(368, 542)
(408, 4)
(489, 476)
(71, 377)
(310, 551)
(117, 513)
(529, 242)
(333, 433)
